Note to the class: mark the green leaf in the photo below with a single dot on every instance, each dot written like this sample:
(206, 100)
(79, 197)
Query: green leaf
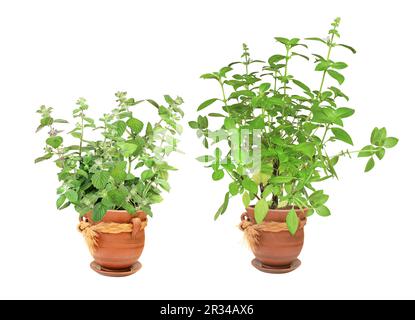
(216, 115)
(55, 141)
(301, 85)
(205, 159)
(229, 124)
(339, 65)
(120, 127)
(117, 196)
(45, 157)
(218, 174)
(323, 211)
(59, 121)
(127, 149)
(246, 199)
(344, 112)
(337, 76)
(60, 201)
(202, 122)
(322, 66)
(281, 179)
(193, 125)
(318, 198)
(292, 221)
(129, 207)
(234, 188)
(261, 210)
(367, 151)
(257, 123)
(147, 174)
(206, 104)
(390, 142)
(100, 179)
(370, 164)
(72, 196)
(347, 47)
(380, 153)
(135, 125)
(209, 76)
(249, 185)
(223, 207)
(316, 39)
(98, 212)
(154, 103)
(282, 40)
(306, 148)
(342, 135)
(263, 87)
(118, 172)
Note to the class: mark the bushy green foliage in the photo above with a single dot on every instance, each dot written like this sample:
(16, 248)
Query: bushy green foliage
(124, 168)
(296, 124)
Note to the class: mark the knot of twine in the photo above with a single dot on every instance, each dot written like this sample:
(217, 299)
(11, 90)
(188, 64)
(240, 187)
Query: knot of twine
(91, 231)
(252, 232)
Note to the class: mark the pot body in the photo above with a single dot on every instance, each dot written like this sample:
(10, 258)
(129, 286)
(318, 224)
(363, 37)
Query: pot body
(118, 251)
(278, 249)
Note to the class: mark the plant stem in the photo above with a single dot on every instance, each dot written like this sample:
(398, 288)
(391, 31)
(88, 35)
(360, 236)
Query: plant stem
(330, 44)
(82, 135)
(286, 71)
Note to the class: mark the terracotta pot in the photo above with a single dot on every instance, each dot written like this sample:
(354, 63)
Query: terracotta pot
(277, 252)
(117, 254)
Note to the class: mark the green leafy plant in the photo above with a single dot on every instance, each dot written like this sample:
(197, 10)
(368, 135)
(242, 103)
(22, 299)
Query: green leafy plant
(124, 168)
(295, 124)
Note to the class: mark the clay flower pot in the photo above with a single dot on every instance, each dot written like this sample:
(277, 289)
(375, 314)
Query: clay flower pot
(116, 253)
(277, 252)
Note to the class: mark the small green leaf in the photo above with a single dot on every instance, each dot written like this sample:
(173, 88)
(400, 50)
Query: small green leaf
(292, 221)
(98, 212)
(281, 179)
(229, 124)
(223, 207)
(117, 196)
(218, 174)
(263, 87)
(120, 127)
(129, 207)
(367, 151)
(72, 196)
(318, 198)
(55, 141)
(339, 65)
(370, 164)
(344, 112)
(306, 148)
(193, 125)
(135, 125)
(206, 104)
(202, 122)
(246, 199)
(338, 76)
(301, 85)
(249, 185)
(147, 174)
(60, 201)
(261, 210)
(342, 135)
(45, 157)
(347, 47)
(380, 153)
(127, 149)
(205, 159)
(323, 211)
(100, 179)
(118, 172)
(390, 142)
(234, 188)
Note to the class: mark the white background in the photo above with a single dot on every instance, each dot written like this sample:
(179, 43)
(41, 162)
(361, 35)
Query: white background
(54, 51)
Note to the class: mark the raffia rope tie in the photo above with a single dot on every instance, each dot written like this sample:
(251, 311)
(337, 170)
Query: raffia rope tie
(91, 231)
(252, 232)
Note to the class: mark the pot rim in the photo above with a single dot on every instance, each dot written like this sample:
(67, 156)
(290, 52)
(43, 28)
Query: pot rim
(283, 210)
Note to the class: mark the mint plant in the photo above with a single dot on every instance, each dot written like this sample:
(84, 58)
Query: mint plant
(296, 125)
(125, 168)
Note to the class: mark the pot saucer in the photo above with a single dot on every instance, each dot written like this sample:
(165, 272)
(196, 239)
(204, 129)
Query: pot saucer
(264, 268)
(115, 273)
